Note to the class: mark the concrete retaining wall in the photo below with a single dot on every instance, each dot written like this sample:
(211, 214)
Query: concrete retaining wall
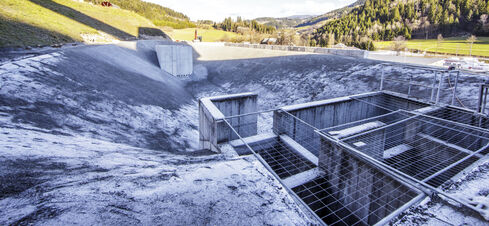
(175, 59)
(329, 113)
(342, 52)
(212, 111)
(366, 191)
(321, 114)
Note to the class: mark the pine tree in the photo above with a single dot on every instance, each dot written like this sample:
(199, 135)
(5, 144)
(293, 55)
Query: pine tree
(396, 16)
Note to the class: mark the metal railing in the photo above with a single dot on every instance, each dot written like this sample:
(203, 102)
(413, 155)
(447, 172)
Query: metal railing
(269, 168)
(436, 83)
(325, 201)
(482, 103)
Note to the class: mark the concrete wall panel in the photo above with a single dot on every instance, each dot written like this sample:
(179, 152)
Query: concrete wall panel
(212, 111)
(366, 191)
(175, 59)
(343, 52)
(321, 116)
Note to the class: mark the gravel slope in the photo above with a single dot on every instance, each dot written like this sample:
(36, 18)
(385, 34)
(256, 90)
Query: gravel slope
(100, 135)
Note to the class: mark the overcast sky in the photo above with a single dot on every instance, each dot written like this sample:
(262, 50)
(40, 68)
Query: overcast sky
(217, 10)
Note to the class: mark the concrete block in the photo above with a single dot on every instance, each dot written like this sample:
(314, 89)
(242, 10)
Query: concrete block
(310, 49)
(175, 59)
(212, 111)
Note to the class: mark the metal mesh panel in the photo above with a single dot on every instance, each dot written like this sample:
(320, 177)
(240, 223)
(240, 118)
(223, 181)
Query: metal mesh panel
(461, 116)
(355, 194)
(358, 208)
(370, 161)
(284, 161)
(389, 103)
(429, 84)
(428, 149)
(298, 130)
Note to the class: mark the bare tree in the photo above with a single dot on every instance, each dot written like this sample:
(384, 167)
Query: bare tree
(471, 40)
(483, 19)
(288, 37)
(425, 24)
(484, 22)
(439, 41)
(399, 44)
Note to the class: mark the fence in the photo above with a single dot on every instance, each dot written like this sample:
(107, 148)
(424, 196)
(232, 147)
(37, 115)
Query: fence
(482, 103)
(343, 52)
(430, 84)
(293, 152)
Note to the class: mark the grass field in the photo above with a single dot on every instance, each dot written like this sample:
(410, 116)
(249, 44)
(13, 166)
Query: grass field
(449, 45)
(44, 22)
(208, 35)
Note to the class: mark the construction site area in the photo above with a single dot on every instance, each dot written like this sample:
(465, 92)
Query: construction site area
(155, 132)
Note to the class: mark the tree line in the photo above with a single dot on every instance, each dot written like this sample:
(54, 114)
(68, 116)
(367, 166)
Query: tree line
(159, 15)
(241, 26)
(386, 19)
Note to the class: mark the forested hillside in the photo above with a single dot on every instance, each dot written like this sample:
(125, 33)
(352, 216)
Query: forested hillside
(387, 19)
(159, 15)
(243, 26)
(284, 22)
(337, 13)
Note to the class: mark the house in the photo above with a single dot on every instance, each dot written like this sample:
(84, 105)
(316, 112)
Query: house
(269, 41)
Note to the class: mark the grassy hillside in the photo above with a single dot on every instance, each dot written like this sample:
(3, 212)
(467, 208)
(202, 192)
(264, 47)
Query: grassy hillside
(208, 35)
(449, 45)
(159, 15)
(45, 22)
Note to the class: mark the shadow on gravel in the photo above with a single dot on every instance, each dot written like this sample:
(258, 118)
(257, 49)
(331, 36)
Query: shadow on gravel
(31, 36)
(84, 74)
(84, 19)
(18, 175)
(41, 213)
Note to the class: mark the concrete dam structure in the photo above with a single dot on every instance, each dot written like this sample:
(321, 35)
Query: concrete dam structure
(354, 160)
(175, 59)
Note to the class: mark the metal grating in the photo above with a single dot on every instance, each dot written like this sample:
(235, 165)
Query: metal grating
(391, 102)
(355, 194)
(428, 149)
(460, 116)
(429, 84)
(366, 205)
(408, 148)
(283, 160)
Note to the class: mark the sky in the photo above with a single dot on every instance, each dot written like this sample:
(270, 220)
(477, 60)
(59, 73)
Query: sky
(217, 10)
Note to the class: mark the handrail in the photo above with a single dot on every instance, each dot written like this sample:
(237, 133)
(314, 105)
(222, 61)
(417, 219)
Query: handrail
(436, 78)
